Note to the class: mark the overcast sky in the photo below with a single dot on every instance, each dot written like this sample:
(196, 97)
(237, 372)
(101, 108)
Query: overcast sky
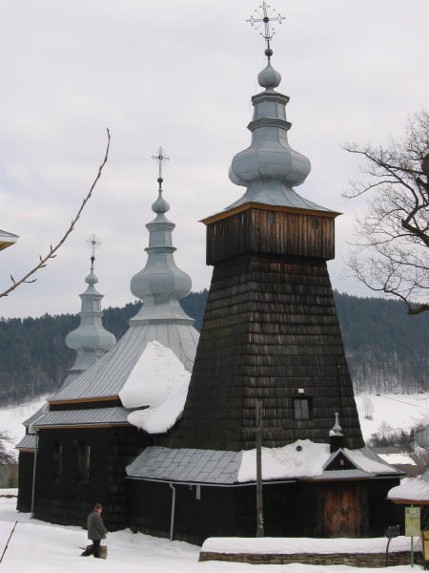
(180, 73)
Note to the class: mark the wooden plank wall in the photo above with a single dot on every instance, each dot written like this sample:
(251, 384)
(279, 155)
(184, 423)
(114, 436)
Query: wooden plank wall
(66, 499)
(275, 232)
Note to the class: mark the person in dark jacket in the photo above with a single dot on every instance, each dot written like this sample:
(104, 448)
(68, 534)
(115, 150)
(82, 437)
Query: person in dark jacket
(96, 530)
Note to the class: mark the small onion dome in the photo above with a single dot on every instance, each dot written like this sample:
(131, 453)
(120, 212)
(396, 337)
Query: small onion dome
(269, 78)
(160, 205)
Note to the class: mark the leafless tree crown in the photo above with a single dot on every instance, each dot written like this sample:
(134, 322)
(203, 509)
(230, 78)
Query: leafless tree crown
(392, 250)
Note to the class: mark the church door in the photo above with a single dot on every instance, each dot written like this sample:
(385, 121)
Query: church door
(343, 515)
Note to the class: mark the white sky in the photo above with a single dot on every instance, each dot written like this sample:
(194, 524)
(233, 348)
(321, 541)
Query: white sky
(180, 73)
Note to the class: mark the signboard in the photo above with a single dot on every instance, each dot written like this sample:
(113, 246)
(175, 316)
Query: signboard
(412, 521)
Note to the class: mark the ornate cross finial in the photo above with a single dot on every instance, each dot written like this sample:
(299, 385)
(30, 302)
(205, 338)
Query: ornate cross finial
(160, 157)
(266, 20)
(95, 242)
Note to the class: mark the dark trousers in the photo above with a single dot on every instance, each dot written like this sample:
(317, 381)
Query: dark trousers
(93, 549)
(96, 547)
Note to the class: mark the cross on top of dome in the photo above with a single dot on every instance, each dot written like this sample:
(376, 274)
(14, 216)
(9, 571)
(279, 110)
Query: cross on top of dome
(266, 20)
(160, 157)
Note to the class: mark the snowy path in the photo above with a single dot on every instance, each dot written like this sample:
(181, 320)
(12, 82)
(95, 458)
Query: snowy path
(38, 547)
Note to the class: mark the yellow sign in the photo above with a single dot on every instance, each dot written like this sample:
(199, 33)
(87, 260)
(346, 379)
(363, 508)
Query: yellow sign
(412, 521)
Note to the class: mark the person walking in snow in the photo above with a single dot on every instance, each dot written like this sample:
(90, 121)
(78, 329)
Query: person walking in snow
(96, 531)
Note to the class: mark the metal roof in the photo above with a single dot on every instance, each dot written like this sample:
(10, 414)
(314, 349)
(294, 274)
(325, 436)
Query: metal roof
(218, 467)
(160, 284)
(186, 466)
(341, 475)
(107, 376)
(28, 442)
(87, 417)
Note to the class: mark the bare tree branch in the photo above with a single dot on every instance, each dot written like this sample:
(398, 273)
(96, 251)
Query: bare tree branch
(392, 253)
(53, 249)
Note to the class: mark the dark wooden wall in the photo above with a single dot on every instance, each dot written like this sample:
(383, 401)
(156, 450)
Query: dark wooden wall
(270, 331)
(67, 499)
(25, 480)
(260, 230)
(290, 509)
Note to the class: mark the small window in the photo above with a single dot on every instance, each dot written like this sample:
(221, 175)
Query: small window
(301, 408)
(83, 455)
(57, 460)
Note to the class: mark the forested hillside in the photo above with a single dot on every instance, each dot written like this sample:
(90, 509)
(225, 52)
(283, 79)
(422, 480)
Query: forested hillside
(387, 349)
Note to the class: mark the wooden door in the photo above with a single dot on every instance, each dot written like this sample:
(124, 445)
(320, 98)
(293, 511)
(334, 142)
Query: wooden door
(343, 514)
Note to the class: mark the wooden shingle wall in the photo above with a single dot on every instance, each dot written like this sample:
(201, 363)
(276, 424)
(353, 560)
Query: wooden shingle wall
(270, 333)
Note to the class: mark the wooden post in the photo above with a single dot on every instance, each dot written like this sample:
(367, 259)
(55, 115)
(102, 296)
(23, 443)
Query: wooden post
(259, 498)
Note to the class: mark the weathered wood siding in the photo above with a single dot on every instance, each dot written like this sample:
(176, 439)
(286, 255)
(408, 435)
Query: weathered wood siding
(25, 480)
(66, 499)
(268, 231)
(270, 332)
(290, 510)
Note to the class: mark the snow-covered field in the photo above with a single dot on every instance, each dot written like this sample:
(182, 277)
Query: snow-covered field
(390, 412)
(38, 547)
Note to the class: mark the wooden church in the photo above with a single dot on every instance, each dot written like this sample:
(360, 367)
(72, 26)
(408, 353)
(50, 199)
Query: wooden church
(271, 337)
(270, 343)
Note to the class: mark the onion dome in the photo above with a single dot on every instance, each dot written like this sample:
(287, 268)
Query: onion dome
(161, 283)
(269, 168)
(90, 339)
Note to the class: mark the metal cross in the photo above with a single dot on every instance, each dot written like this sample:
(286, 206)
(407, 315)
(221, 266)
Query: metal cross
(95, 242)
(160, 157)
(266, 20)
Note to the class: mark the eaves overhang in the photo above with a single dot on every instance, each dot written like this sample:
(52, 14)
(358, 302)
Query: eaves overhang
(265, 206)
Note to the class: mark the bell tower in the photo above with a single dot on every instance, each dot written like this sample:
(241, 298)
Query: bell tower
(270, 332)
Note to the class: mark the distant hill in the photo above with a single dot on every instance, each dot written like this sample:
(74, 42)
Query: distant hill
(387, 350)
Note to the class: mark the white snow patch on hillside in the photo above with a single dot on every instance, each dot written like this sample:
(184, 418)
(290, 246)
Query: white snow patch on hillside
(391, 412)
(12, 418)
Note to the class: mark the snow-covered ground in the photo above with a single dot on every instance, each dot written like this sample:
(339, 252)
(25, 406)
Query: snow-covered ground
(390, 412)
(39, 547)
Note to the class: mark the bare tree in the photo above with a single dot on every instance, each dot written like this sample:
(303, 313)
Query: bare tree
(392, 253)
(52, 252)
(5, 456)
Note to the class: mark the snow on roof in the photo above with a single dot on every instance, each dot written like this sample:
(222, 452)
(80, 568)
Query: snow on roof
(368, 461)
(412, 490)
(109, 374)
(159, 381)
(398, 459)
(303, 459)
